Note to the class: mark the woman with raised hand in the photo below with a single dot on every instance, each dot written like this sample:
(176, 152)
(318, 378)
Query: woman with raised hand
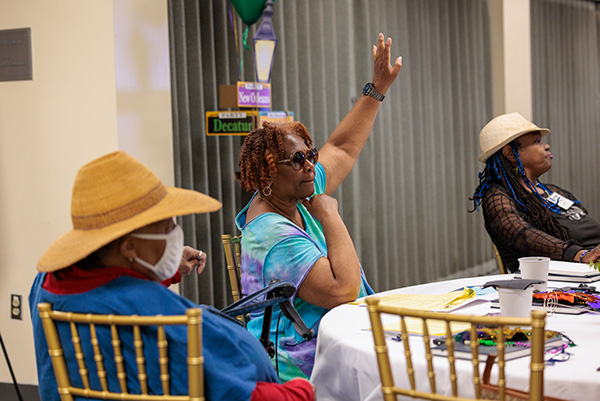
(291, 228)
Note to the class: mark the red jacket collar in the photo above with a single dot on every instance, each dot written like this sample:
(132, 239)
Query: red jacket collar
(74, 280)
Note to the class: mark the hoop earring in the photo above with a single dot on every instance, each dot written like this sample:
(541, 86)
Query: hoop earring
(267, 190)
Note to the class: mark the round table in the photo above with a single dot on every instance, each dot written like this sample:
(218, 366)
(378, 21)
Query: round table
(346, 366)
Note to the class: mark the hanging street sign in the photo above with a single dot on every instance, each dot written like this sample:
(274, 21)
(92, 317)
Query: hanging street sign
(275, 116)
(251, 94)
(239, 122)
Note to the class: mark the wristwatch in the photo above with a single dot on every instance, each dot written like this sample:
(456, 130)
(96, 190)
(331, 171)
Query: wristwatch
(370, 90)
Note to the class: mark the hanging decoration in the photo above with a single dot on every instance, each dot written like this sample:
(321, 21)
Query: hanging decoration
(265, 43)
(234, 30)
(249, 11)
(257, 94)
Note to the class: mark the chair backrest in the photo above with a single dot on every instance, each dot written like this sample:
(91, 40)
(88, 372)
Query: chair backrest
(501, 266)
(390, 391)
(192, 319)
(233, 254)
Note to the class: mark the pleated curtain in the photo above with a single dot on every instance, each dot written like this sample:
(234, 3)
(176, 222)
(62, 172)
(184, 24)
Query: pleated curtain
(406, 202)
(565, 43)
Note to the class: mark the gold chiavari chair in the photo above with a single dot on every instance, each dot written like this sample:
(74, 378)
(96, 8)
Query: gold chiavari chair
(501, 267)
(483, 390)
(192, 319)
(233, 254)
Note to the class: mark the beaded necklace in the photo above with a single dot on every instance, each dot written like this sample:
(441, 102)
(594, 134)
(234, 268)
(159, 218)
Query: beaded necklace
(489, 335)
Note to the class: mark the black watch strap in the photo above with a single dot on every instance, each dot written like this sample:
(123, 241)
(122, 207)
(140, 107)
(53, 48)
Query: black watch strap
(369, 90)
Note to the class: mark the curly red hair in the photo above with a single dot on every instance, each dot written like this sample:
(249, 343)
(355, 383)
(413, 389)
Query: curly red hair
(262, 148)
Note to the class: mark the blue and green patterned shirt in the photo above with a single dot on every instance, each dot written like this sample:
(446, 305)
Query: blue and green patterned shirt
(275, 248)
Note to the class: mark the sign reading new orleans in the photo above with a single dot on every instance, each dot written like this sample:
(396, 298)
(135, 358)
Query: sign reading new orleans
(252, 94)
(230, 122)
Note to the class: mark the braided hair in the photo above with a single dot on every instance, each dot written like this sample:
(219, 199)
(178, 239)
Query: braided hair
(262, 148)
(499, 171)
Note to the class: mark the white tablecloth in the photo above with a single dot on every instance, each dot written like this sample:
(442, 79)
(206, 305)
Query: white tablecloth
(346, 366)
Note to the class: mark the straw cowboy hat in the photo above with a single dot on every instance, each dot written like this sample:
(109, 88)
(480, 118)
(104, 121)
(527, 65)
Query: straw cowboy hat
(503, 130)
(113, 196)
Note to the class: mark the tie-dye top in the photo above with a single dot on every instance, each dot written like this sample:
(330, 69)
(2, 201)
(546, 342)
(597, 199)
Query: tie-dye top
(275, 248)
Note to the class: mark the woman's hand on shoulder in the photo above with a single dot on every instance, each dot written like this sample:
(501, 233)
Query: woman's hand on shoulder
(321, 207)
(335, 279)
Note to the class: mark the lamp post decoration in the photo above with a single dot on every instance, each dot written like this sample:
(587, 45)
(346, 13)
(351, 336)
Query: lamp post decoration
(254, 95)
(265, 43)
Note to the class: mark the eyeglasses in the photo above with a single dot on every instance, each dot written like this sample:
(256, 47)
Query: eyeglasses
(298, 159)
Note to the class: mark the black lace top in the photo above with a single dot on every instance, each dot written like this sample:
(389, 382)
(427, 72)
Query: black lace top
(515, 237)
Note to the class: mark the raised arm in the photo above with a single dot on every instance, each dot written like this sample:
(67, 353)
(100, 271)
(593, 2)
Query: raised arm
(341, 150)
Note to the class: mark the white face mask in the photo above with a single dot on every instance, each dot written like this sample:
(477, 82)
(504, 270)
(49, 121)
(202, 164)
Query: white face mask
(168, 263)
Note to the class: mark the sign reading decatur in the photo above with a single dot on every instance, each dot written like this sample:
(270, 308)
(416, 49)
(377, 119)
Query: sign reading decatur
(251, 94)
(230, 122)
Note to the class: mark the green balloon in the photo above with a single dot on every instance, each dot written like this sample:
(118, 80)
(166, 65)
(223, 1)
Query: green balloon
(249, 11)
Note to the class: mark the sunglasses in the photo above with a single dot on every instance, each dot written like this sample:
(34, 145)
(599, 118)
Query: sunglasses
(298, 159)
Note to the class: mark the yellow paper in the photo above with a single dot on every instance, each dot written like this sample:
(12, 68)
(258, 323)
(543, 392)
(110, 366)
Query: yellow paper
(434, 327)
(441, 302)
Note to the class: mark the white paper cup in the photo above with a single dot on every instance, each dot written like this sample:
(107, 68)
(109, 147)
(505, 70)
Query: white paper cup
(535, 268)
(515, 302)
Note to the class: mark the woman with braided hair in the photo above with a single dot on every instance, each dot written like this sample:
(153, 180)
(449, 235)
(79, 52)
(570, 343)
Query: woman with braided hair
(291, 228)
(522, 215)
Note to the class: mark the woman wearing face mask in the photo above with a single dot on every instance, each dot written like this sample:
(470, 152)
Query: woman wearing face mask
(123, 244)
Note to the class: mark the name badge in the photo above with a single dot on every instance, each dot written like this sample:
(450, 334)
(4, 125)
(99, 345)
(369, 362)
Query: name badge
(562, 202)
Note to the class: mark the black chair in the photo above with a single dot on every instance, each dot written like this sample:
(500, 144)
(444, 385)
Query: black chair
(277, 292)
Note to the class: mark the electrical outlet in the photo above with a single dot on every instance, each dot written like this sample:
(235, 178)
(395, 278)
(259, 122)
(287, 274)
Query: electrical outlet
(15, 306)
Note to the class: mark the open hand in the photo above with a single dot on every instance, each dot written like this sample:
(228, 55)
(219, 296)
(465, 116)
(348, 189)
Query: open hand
(384, 74)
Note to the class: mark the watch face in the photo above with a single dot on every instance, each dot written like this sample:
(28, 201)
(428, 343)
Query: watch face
(370, 90)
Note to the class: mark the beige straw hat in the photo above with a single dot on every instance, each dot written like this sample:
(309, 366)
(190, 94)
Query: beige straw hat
(112, 196)
(503, 130)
